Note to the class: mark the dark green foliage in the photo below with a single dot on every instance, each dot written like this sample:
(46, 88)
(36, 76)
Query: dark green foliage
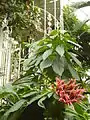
(22, 18)
(54, 110)
(80, 30)
(78, 111)
(55, 54)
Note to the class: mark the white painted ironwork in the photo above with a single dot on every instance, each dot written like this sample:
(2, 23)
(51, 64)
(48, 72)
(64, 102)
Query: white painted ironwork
(6, 42)
(55, 21)
(61, 15)
(45, 31)
(5, 53)
(49, 28)
(2, 59)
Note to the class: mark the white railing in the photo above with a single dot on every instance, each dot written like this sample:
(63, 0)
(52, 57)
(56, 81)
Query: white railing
(6, 42)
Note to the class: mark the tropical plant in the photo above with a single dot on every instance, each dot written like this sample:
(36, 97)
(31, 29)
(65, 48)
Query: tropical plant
(80, 30)
(51, 56)
(78, 111)
(55, 53)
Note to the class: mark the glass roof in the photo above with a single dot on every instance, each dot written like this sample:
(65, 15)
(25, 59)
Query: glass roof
(82, 13)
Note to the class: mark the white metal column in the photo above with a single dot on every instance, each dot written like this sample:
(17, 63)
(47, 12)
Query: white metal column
(61, 15)
(45, 17)
(55, 14)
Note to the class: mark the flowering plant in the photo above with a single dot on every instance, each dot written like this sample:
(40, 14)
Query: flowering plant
(69, 92)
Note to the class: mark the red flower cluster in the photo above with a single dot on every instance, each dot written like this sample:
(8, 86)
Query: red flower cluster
(69, 92)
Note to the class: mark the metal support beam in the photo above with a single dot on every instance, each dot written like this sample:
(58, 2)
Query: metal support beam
(61, 15)
(55, 14)
(45, 31)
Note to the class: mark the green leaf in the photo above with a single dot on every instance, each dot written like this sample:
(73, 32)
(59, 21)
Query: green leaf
(42, 49)
(7, 90)
(78, 108)
(50, 94)
(29, 60)
(56, 96)
(37, 97)
(75, 44)
(54, 33)
(29, 94)
(46, 54)
(60, 50)
(58, 65)
(14, 108)
(25, 79)
(40, 102)
(38, 60)
(45, 64)
(84, 106)
(71, 111)
(73, 72)
(75, 59)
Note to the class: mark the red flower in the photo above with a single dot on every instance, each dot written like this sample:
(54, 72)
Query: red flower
(69, 92)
